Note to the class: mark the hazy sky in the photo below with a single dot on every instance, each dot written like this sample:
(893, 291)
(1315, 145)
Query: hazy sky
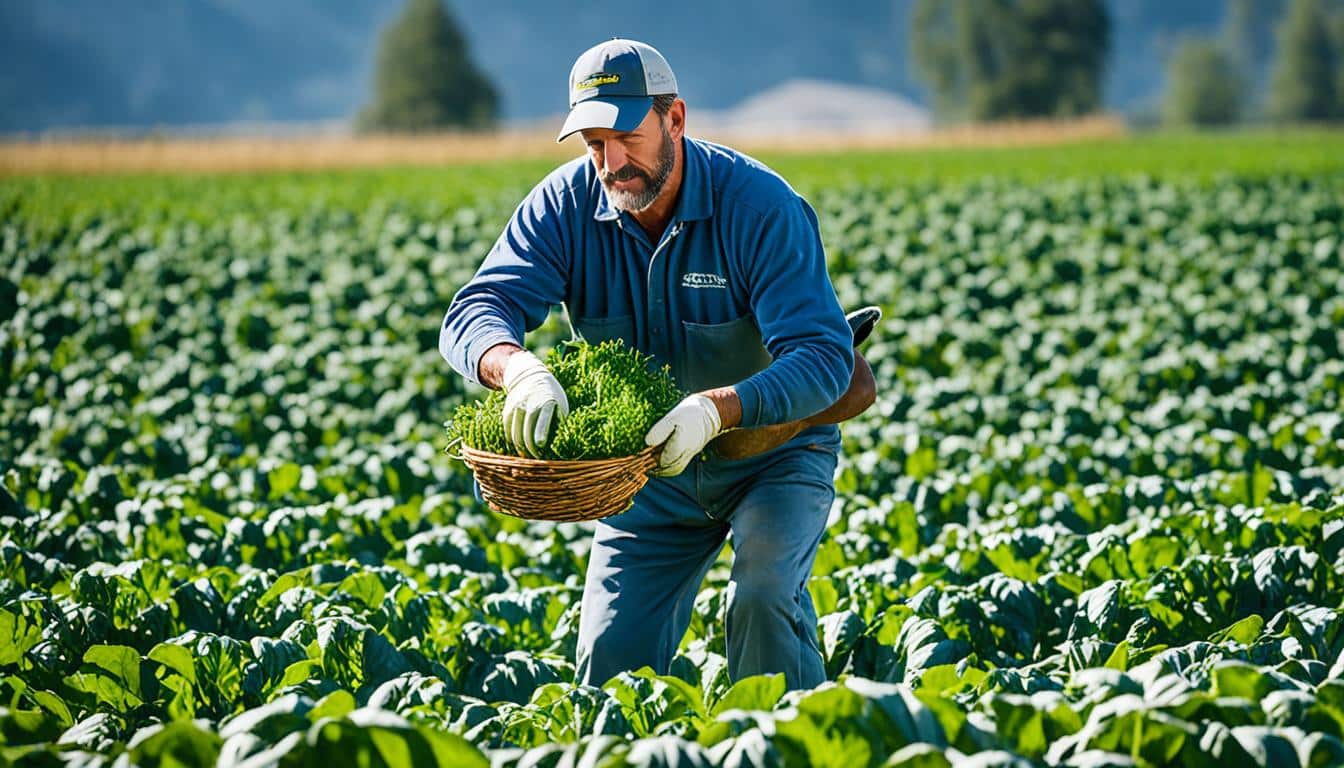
(174, 62)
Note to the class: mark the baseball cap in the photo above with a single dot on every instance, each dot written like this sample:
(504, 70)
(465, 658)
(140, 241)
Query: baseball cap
(612, 85)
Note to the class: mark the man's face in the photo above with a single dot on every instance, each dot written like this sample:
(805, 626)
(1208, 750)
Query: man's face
(633, 166)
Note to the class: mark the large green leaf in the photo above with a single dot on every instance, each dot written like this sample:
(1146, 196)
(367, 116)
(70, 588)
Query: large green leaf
(904, 712)
(919, 756)
(111, 674)
(354, 655)
(921, 644)
(379, 738)
(1098, 612)
(758, 692)
(18, 635)
(1030, 724)
(272, 721)
(272, 659)
(1123, 724)
(182, 743)
(829, 728)
(1233, 678)
(96, 733)
(750, 750)
(1327, 713)
(839, 634)
(28, 726)
(668, 752)
(651, 703)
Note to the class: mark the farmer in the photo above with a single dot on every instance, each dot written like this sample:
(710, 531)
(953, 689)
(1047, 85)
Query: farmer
(708, 261)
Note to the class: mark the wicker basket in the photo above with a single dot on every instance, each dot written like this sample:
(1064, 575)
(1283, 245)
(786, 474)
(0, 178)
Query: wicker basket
(560, 491)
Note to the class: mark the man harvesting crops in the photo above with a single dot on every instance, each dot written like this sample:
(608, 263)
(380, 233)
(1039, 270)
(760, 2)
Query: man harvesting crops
(708, 261)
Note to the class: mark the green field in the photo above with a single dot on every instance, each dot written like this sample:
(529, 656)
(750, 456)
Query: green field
(1096, 517)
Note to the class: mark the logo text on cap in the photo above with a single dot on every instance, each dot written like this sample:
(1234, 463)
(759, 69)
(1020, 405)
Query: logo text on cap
(598, 79)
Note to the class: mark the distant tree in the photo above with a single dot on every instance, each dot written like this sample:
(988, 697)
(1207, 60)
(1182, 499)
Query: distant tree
(1337, 36)
(992, 59)
(935, 32)
(1305, 74)
(1248, 34)
(1204, 85)
(1247, 40)
(1239, 36)
(424, 79)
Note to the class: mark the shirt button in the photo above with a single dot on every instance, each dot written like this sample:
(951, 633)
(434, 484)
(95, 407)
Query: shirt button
(655, 331)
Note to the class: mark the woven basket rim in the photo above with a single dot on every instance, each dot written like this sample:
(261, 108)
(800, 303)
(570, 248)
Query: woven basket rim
(526, 462)
(596, 488)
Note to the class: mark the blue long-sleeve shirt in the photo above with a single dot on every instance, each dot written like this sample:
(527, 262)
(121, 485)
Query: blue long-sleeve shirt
(735, 293)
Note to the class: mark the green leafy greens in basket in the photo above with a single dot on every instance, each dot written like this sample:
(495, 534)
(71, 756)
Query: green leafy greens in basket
(615, 395)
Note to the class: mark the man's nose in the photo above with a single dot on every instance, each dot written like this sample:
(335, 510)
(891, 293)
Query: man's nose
(613, 156)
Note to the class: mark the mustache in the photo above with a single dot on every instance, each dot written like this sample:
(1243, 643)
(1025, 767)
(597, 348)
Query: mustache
(625, 174)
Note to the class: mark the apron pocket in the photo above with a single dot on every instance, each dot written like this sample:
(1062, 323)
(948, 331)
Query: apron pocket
(596, 330)
(720, 354)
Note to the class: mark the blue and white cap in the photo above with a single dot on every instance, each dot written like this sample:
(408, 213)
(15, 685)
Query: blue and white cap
(612, 85)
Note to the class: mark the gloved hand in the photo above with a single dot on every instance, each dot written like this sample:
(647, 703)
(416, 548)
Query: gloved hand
(534, 400)
(683, 433)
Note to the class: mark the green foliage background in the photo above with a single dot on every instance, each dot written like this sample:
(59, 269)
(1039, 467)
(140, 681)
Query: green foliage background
(1309, 64)
(1204, 85)
(424, 78)
(1000, 59)
(1095, 517)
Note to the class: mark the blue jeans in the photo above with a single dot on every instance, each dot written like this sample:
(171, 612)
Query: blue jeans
(647, 564)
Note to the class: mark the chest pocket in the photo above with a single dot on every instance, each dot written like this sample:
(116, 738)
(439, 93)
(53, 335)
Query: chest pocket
(596, 330)
(720, 354)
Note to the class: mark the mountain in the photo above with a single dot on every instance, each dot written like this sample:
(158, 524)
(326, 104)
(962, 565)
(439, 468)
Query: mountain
(176, 62)
(170, 63)
(816, 107)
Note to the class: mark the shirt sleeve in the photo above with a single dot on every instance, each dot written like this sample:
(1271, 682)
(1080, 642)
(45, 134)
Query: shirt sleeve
(800, 319)
(522, 277)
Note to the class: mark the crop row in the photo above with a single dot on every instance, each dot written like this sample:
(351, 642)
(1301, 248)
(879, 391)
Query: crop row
(1096, 516)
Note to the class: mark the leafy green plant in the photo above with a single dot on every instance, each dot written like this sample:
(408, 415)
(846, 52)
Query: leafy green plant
(1096, 516)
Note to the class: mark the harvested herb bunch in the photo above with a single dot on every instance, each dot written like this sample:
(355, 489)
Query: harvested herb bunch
(615, 395)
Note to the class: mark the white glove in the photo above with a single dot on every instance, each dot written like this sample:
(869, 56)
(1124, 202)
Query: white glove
(534, 400)
(684, 432)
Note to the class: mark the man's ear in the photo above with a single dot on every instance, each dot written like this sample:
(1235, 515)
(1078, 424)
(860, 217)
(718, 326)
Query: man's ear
(676, 119)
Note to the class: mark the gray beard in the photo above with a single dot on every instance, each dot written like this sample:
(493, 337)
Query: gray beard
(634, 202)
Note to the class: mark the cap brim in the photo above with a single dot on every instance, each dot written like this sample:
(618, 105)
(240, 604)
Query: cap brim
(619, 113)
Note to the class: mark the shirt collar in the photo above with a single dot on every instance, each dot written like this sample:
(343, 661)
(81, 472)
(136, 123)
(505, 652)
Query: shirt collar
(697, 188)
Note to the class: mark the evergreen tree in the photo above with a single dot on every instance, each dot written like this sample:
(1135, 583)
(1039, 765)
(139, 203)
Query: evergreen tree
(1248, 36)
(1305, 77)
(1247, 40)
(935, 32)
(424, 79)
(993, 59)
(1203, 85)
(1337, 36)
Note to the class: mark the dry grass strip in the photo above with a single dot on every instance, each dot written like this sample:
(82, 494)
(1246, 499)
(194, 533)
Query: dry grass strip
(252, 154)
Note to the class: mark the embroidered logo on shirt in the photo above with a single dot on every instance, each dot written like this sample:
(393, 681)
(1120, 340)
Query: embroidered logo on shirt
(703, 280)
